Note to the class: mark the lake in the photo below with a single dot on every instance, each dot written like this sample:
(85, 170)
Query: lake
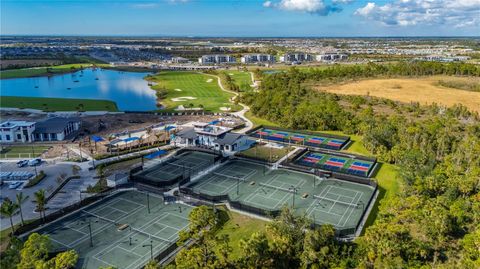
(128, 89)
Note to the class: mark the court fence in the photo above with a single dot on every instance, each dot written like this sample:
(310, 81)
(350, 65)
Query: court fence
(346, 139)
(292, 164)
(187, 191)
(66, 210)
(181, 179)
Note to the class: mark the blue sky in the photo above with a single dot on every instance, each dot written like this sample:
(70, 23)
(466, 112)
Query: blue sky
(258, 18)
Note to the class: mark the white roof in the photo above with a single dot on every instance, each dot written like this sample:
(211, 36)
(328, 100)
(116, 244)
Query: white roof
(16, 123)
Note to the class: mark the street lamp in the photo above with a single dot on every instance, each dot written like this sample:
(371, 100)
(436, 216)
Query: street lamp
(294, 191)
(151, 248)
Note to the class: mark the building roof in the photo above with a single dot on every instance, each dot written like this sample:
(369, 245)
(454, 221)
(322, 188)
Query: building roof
(187, 133)
(54, 125)
(228, 139)
(15, 123)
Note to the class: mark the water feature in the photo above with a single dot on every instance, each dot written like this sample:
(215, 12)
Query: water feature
(128, 89)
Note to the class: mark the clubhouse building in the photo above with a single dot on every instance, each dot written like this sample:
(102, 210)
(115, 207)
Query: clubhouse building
(53, 129)
(211, 136)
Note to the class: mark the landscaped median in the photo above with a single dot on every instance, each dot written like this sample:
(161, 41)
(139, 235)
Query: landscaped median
(57, 104)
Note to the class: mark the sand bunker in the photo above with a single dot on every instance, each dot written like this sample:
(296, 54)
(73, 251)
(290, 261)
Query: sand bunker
(225, 108)
(183, 98)
(178, 90)
(231, 74)
(209, 80)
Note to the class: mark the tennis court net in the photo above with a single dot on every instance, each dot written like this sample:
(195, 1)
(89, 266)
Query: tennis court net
(151, 236)
(229, 176)
(277, 188)
(323, 198)
(100, 217)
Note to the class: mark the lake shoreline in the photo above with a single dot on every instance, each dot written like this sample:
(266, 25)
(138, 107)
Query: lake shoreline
(125, 91)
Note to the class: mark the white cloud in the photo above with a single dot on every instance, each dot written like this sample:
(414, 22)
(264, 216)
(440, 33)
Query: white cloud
(308, 6)
(267, 4)
(145, 5)
(343, 1)
(456, 13)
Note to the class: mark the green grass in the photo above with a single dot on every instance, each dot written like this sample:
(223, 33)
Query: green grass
(241, 78)
(259, 121)
(42, 71)
(240, 227)
(22, 151)
(207, 94)
(387, 176)
(263, 152)
(57, 104)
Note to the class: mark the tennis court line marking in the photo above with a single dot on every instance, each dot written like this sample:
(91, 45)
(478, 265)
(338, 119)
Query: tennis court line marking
(57, 241)
(312, 206)
(359, 198)
(110, 247)
(102, 228)
(105, 262)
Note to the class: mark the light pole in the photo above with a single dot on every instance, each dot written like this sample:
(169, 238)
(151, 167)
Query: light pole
(148, 203)
(294, 191)
(151, 248)
(90, 233)
(35, 166)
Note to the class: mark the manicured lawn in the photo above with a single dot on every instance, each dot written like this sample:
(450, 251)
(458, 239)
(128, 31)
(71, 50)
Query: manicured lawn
(265, 153)
(42, 71)
(22, 151)
(241, 78)
(58, 104)
(240, 227)
(203, 88)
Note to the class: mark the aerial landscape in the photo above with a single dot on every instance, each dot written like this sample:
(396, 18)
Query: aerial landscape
(240, 134)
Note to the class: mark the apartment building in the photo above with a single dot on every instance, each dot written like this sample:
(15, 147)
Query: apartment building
(258, 58)
(216, 59)
(297, 57)
(331, 57)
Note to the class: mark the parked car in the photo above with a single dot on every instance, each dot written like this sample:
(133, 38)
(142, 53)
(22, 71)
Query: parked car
(22, 163)
(34, 162)
(15, 185)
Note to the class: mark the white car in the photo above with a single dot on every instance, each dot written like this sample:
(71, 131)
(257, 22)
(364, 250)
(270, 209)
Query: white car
(34, 162)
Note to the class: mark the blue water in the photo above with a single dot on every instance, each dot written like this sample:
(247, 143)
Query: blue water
(128, 89)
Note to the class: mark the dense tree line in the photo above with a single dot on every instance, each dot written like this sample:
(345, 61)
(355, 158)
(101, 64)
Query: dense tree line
(434, 220)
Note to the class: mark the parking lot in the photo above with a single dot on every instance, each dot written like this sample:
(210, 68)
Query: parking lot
(49, 184)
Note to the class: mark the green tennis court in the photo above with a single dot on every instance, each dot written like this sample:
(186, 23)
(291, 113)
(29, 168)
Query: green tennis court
(177, 167)
(122, 230)
(332, 201)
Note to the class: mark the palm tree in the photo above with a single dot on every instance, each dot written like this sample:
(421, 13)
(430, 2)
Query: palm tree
(40, 200)
(8, 209)
(20, 200)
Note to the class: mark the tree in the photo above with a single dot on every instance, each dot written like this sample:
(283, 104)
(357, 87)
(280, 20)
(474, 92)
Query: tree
(8, 209)
(20, 200)
(255, 252)
(152, 264)
(40, 200)
(63, 260)
(206, 250)
(35, 253)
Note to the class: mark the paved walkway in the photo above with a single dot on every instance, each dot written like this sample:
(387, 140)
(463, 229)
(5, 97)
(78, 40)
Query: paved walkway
(241, 113)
